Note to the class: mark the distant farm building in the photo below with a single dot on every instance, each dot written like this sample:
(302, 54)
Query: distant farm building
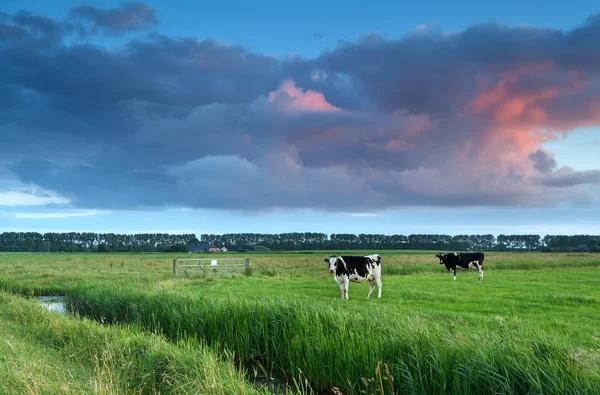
(260, 248)
(214, 249)
(224, 249)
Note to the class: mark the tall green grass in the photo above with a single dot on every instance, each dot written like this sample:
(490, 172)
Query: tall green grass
(46, 353)
(334, 346)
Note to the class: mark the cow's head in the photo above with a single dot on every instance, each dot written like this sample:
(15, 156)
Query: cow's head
(332, 260)
(442, 258)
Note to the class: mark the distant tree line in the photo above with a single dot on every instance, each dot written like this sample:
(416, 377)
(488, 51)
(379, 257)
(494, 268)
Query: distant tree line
(162, 242)
(348, 241)
(93, 242)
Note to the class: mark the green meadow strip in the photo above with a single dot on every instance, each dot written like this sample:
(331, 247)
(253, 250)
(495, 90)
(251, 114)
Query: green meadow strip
(53, 273)
(44, 353)
(330, 346)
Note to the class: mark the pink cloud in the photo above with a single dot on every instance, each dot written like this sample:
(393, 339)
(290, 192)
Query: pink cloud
(504, 104)
(510, 102)
(482, 153)
(288, 97)
(521, 110)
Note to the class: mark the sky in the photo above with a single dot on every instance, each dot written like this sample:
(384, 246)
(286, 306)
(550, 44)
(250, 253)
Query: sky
(270, 117)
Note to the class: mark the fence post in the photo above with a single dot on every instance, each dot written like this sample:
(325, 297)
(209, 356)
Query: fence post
(174, 266)
(247, 263)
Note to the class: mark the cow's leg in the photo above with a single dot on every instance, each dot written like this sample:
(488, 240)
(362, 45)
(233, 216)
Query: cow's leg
(372, 285)
(454, 273)
(480, 269)
(379, 284)
(346, 284)
(341, 285)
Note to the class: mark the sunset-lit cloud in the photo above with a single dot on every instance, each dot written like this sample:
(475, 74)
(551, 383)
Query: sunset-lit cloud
(288, 97)
(428, 119)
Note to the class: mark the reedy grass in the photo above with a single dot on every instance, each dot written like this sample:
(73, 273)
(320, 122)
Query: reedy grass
(47, 353)
(334, 346)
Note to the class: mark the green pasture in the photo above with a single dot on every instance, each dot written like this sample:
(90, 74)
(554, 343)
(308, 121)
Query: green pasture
(531, 327)
(31, 271)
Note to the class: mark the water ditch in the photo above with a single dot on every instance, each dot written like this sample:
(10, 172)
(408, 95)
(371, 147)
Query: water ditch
(58, 304)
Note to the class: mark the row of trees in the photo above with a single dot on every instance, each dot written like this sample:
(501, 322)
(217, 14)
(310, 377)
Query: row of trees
(92, 242)
(348, 241)
(161, 242)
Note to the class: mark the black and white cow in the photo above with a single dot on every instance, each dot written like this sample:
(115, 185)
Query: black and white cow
(357, 269)
(472, 260)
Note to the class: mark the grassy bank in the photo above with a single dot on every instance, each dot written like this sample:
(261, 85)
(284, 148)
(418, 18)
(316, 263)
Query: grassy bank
(44, 353)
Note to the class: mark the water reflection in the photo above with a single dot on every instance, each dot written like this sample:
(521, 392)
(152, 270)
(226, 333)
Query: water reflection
(54, 303)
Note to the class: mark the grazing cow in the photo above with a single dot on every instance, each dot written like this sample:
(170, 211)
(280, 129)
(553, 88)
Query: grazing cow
(464, 261)
(357, 269)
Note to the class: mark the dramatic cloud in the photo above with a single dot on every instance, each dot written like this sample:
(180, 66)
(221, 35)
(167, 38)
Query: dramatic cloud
(429, 119)
(129, 16)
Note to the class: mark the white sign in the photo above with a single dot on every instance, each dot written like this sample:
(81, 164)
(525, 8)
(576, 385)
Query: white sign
(213, 262)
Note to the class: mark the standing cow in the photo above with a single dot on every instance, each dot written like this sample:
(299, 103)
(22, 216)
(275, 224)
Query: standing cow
(357, 269)
(464, 261)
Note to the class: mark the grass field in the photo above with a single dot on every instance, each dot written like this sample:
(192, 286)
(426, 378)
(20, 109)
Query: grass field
(533, 325)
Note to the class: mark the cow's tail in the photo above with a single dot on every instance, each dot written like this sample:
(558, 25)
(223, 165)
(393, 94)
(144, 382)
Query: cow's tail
(481, 260)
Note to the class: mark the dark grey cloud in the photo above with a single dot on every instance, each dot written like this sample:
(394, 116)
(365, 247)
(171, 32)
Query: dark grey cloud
(37, 32)
(182, 73)
(427, 119)
(130, 16)
(567, 177)
(542, 162)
